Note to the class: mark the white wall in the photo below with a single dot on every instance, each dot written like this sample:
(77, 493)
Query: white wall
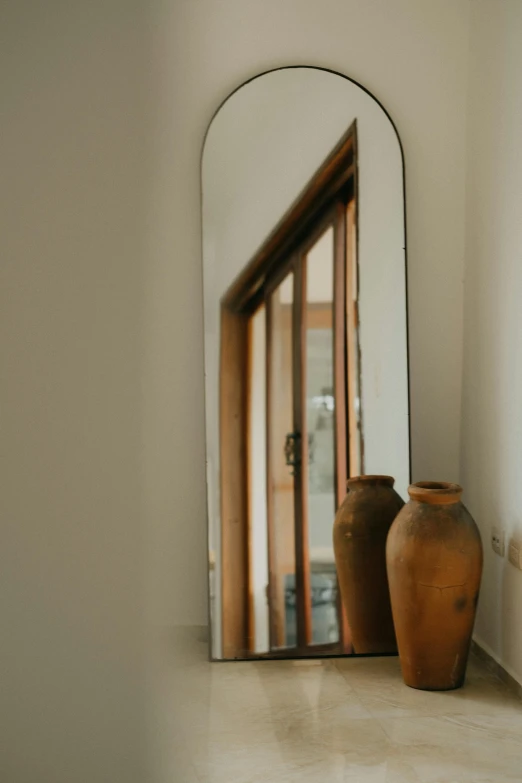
(491, 461)
(102, 334)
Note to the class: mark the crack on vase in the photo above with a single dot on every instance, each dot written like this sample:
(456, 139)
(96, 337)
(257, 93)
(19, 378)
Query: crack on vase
(443, 587)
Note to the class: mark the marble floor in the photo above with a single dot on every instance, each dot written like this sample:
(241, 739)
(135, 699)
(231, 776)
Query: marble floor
(329, 721)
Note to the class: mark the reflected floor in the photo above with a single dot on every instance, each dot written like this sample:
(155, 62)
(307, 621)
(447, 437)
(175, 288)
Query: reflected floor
(327, 721)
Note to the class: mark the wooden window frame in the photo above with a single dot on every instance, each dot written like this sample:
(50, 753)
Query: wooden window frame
(303, 220)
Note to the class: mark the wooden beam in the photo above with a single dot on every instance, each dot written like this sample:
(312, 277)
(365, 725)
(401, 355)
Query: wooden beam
(294, 226)
(234, 484)
(341, 432)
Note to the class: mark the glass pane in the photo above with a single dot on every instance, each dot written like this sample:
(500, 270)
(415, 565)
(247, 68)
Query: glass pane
(257, 481)
(281, 480)
(352, 332)
(319, 473)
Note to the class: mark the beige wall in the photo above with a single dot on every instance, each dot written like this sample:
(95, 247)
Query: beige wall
(74, 177)
(105, 107)
(492, 371)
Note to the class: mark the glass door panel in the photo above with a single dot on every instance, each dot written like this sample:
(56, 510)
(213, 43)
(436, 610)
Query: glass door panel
(282, 451)
(352, 334)
(319, 466)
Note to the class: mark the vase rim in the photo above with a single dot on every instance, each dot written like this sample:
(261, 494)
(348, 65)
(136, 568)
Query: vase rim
(370, 480)
(435, 492)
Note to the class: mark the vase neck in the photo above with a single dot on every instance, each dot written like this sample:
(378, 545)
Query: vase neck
(361, 482)
(436, 493)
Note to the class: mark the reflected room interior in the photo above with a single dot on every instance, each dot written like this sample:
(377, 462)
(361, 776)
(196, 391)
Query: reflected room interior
(306, 361)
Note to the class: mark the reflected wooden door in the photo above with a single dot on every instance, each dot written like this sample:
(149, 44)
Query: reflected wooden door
(307, 444)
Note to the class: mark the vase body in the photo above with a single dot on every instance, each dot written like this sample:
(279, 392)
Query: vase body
(434, 559)
(359, 535)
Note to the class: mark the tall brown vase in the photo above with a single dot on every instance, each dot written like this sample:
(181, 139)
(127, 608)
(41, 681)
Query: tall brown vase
(434, 557)
(360, 530)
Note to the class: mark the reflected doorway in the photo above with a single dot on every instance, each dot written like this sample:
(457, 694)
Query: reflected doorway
(296, 350)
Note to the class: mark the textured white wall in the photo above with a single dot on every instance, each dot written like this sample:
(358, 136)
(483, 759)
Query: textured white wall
(105, 109)
(492, 371)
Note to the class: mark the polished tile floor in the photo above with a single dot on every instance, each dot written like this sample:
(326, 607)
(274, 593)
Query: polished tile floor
(334, 720)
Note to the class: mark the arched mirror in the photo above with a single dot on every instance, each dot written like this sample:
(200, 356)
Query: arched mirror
(306, 360)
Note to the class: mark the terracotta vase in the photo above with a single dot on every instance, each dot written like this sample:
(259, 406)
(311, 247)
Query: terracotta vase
(434, 557)
(360, 530)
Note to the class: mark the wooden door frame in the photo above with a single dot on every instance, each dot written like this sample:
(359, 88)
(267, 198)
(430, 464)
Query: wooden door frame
(330, 181)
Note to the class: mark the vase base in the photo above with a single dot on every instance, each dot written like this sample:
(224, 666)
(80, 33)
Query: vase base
(441, 685)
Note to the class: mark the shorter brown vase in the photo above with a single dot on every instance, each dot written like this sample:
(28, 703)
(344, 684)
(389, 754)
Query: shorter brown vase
(434, 557)
(360, 530)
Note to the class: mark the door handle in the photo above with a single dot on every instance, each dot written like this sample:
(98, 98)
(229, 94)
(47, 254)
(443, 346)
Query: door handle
(293, 450)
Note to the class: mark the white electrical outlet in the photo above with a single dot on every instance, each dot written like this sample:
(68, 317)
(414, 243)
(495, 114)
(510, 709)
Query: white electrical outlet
(515, 553)
(497, 541)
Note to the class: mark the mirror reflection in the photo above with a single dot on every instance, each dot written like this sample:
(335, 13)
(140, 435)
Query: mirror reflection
(305, 349)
